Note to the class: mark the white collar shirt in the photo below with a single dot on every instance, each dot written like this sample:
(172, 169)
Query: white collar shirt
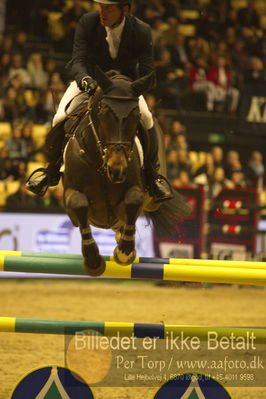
(113, 38)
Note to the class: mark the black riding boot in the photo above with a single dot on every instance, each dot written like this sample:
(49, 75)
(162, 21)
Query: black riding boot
(158, 186)
(49, 176)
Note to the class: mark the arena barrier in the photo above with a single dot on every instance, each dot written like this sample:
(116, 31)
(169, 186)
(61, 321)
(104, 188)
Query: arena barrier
(193, 270)
(138, 330)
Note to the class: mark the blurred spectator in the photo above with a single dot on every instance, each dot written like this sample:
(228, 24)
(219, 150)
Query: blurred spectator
(208, 26)
(232, 163)
(7, 45)
(163, 64)
(5, 62)
(5, 163)
(19, 102)
(217, 156)
(204, 173)
(255, 73)
(20, 46)
(22, 201)
(199, 48)
(180, 142)
(28, 139)
(254, 170)
(157, 28)
(200, 83)
(56, 83)
(50, 66)
(231, 20)
(221, 50)
(221, 75)
(238, 179)
(184, 162)
(176, 128)
(69, 20)
(42, 9)
(230, 37)
(14, 105)
(180, 53)
(238, 55)
(167, 141)
(167, 86)
(159, 48)
(38, 77)
(169, 34)
(248, 16)
(252, 42)
(217, 182)
(17, 68)
(47, 106)
(148, 11)
(183, 179)
(172, 165)
(16, 145)
(18, 169)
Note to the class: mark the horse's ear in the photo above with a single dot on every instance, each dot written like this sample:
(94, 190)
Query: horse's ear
(102, 79)
(143, 84)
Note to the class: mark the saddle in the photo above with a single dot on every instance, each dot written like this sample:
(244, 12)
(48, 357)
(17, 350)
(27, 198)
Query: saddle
(57, 138)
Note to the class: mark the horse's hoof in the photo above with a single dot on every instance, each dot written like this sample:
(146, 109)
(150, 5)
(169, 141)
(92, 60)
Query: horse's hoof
(94, 271)
(122, 258)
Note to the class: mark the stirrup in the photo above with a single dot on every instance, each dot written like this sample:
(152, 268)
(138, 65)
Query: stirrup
(39, 184)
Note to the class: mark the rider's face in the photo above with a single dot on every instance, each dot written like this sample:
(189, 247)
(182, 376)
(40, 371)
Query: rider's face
(110, 14)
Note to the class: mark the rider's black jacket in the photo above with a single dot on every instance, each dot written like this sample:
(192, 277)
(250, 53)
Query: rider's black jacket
(135, 55)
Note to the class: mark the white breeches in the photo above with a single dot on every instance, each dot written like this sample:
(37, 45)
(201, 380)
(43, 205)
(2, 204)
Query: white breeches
(73, 90)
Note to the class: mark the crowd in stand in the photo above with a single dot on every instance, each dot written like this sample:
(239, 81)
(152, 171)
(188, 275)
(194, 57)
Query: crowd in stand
(225, 50)
(205, 70)
(217, 170)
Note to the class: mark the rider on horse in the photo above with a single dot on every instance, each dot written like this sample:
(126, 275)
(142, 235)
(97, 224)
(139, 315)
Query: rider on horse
(113, 39)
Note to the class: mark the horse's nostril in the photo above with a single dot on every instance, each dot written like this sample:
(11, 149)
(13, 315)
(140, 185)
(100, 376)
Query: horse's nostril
(117, 175)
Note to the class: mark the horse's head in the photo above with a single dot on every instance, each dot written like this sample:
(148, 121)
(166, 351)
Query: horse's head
(118, 118)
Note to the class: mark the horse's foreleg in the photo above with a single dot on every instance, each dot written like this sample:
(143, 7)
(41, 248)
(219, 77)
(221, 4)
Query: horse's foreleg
(77, 204)
(125, 252)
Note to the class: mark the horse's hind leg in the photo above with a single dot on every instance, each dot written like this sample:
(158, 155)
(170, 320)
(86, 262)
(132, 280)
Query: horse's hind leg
(125, 252)
(77, 206)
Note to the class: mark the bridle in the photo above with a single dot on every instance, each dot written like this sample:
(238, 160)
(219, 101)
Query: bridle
(104, 148)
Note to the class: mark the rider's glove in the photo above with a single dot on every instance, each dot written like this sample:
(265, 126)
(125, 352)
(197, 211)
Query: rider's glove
(88, 84)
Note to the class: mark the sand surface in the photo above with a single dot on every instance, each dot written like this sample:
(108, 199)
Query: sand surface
(127, 301)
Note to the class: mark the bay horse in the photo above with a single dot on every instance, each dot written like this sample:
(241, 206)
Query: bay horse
(104, 183)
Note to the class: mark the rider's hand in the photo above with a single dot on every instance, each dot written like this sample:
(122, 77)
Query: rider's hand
(88, 84)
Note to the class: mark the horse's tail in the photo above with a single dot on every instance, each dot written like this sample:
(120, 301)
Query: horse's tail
(169, 214)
